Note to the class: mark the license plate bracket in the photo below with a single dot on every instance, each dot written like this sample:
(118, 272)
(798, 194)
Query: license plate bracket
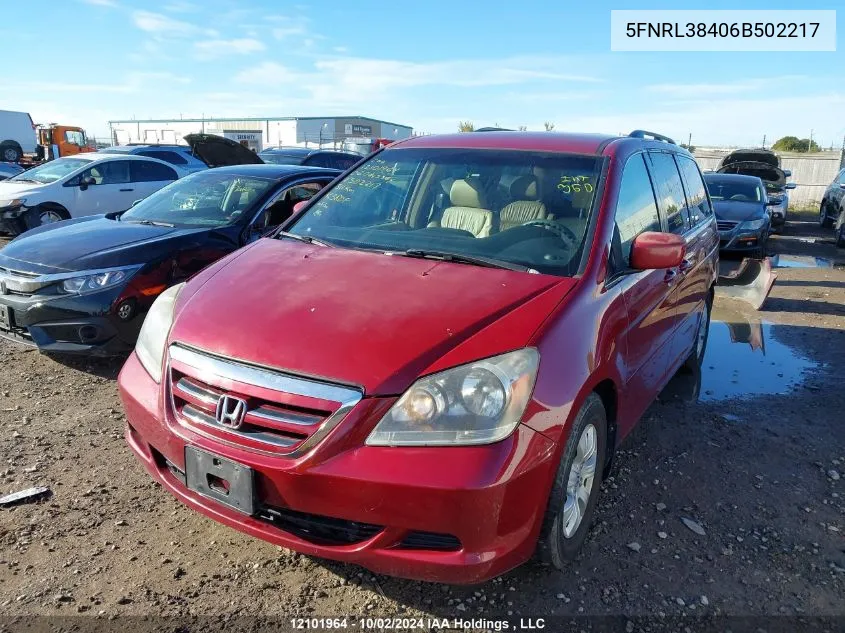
(214, 477)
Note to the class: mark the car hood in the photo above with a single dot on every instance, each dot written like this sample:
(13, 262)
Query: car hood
(736, 211)
(771, 175)
(356, 317)
(217, 151)
(88, 243)
(751, 155)
(13, 189)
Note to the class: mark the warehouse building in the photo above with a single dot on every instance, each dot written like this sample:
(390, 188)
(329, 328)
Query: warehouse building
(259, 133)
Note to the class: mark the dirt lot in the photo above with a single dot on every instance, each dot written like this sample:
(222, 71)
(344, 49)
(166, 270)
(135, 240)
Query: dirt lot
(763, 477)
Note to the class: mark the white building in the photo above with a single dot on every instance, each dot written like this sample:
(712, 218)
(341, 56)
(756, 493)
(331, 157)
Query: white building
(259, 133)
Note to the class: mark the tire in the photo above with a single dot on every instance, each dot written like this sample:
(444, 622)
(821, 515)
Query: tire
(696, 357)
(561, 537)
(51, 213)
(840, 236)
(10, 153)
(825, 221)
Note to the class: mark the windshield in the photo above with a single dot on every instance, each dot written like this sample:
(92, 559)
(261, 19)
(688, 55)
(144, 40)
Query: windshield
(207, 198)
(526, 208)
(737, 190)
(52, 171)
(280, 159)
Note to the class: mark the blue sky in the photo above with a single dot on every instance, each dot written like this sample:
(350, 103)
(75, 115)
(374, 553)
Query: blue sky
(425, 64)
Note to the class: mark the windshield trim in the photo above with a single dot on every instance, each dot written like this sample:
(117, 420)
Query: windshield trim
(595, 206)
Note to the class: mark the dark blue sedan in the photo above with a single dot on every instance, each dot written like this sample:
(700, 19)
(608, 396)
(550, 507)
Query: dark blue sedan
(742, 212)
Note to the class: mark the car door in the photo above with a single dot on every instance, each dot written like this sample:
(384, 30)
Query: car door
(111, 189)
(149, 176)
(837, 194)
(702, 239)
(280, 205)
(647, 293)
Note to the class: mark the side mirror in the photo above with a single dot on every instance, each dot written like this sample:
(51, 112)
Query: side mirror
(86, 182)
(299, 206)
(787, 173)
(652, 250)
(790, 185)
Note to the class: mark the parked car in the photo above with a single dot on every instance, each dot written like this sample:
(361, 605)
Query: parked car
(85, 285)
(17, 135)
(180, 155)
(833, 203)
(73, 187)
(742, 212)
(307, 156)
(426, 390)
(765, 164)
(7, 170)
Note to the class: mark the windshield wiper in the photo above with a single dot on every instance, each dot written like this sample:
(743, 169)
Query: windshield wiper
(149, 223)
(476, 260)
(304, 238)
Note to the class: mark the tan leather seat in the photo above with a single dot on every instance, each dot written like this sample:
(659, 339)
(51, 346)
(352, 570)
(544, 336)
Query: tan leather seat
(468, 211)
(526, 205)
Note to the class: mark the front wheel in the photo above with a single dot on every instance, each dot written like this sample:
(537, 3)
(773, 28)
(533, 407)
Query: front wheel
(696, 357)
(576, 486)
(825, 221)
(10, 153)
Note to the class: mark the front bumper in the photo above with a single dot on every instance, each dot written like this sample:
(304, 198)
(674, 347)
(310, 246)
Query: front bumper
(489, 500)
(71, 324)
(15, 221)
(739, 240)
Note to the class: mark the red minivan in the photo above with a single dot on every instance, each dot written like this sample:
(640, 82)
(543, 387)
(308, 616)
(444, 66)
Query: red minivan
(426, 371)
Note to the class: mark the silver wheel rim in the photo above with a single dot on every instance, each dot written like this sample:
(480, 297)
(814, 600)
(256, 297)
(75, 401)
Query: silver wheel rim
(579, 485)
(124, 311)
(10, 155)
(701, 339)
(48, 217)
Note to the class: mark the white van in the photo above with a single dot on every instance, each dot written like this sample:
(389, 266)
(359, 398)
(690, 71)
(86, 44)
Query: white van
(17, 135)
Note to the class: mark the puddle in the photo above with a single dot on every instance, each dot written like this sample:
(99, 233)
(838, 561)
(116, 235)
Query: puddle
(743, 359)
(800, 261)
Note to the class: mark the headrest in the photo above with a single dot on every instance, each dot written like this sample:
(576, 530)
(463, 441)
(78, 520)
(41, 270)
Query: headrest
(524, 188)
(464, 194)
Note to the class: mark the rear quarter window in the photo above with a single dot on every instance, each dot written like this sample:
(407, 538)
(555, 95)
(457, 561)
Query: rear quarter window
(699, 205)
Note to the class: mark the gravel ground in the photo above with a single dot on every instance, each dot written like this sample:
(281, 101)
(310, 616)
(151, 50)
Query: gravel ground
(715, 505)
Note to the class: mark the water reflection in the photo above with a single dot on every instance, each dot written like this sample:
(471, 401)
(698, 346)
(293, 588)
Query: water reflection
(743, 359)
(800, 261)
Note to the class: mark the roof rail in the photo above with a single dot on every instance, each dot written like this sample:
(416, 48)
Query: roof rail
(653, 135)
(493, 129)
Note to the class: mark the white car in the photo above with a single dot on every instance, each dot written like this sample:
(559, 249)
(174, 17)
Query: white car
(79, 185)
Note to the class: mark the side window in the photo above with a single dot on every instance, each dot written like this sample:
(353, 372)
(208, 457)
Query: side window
(842, 177)
(318, 160)
(115, 172)
(74, 138)
(699, 205)
(670, 192)
(636, 210)
(281, 205)
(148, 171)
(169, 157)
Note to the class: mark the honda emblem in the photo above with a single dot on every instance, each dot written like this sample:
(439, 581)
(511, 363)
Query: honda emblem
(230, 412)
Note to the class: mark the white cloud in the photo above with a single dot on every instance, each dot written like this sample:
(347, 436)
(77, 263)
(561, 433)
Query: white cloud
(164, 26)
(212, 49)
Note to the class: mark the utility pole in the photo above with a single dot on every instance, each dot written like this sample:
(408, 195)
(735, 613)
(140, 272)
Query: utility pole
(689, 141)
(810, 144)
(764, 141)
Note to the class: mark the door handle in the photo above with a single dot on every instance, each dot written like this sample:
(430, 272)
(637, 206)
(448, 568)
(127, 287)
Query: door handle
(127, 190)
(685, 266)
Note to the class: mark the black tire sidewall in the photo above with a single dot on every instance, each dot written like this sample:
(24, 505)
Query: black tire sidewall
(694, 361)
(554, 548)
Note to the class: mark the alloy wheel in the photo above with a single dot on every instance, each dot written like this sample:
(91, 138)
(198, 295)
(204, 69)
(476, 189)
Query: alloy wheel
(579, 485)
(48, 217)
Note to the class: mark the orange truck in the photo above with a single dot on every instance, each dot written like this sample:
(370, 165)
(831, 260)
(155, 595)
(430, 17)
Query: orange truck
(56, 141)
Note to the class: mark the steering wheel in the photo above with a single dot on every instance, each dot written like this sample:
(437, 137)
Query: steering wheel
(558, 229)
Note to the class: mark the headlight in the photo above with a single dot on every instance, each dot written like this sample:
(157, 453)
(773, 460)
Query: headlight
(479, 403)
(753, 225)
(154, 331)
(100, 280)
(13, 202)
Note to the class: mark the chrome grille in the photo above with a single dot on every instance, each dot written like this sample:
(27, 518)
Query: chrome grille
(286, 415)
(725, 225)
